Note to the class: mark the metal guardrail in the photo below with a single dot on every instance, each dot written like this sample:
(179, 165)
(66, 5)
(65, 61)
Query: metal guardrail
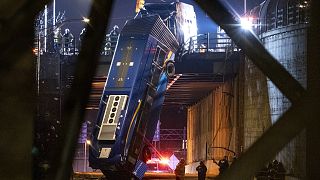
(202, 43)
(209, 42)
(73, 46)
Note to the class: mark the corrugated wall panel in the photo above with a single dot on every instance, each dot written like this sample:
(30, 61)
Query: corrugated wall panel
(256, 104)
(213, 122)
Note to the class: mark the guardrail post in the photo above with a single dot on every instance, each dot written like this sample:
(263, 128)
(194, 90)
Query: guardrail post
(74, 46)
(208, 41)
(190, 45)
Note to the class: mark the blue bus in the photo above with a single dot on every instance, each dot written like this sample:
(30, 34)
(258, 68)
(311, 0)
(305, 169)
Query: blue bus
(131, 102)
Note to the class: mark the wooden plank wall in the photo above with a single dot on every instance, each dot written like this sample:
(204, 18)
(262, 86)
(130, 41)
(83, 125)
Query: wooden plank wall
(232, 116)
(213, 122)
(256, 104)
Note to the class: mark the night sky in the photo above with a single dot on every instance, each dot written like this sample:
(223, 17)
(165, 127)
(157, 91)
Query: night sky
(124, 10)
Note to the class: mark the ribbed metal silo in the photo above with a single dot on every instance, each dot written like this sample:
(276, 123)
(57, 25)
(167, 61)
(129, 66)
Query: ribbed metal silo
(283, 31)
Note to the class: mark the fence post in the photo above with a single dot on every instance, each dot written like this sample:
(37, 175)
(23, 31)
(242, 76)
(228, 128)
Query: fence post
(190, 45)
(74, 46)
(208, 41)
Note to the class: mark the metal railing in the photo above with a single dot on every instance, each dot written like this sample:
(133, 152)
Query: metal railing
(72, 46)
(209, 42)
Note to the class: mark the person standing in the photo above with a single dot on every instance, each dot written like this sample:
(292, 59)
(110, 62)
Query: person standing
(67, 41)
(57, 39)
(202, 170)
(180, 169)
(223, 164)
(276, 170)
(81, 38)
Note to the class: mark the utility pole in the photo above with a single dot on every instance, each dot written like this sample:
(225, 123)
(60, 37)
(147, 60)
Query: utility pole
(54, 13)
(185, 140)
(245, 6)
(45, 27)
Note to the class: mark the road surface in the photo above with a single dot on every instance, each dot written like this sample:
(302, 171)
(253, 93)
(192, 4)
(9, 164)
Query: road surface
(148, 175)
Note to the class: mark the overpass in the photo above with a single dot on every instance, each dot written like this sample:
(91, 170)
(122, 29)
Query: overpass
(201, 65)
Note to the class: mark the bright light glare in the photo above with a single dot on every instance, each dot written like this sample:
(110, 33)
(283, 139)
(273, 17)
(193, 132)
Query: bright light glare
(35, 51)
(164, 161)
(86, 20)
(150, 162)
(88, 142)
(246, 23)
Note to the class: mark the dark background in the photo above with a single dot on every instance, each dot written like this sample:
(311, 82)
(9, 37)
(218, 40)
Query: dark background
(125, 9)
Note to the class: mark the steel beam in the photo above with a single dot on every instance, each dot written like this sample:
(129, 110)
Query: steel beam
(253, 48)
(272, 141)
(313, 88)
(17, 86)
(15, 27)
(293, 121)
(77, 99)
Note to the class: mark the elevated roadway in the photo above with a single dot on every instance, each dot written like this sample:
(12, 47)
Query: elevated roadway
(202, 64)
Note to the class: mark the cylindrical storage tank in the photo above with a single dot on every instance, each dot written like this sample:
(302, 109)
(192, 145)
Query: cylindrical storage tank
(256, 112)
(283, 32)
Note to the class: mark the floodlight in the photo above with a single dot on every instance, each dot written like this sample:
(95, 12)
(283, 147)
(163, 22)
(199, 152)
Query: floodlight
(86, 20)
(246, 23)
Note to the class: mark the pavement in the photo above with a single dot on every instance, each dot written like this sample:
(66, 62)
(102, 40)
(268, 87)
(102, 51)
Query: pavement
(148, 175)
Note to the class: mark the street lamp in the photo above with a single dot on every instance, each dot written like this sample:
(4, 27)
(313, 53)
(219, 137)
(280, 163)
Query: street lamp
(86, 20)
(88, 142)
(75, 20)
(246, 23)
